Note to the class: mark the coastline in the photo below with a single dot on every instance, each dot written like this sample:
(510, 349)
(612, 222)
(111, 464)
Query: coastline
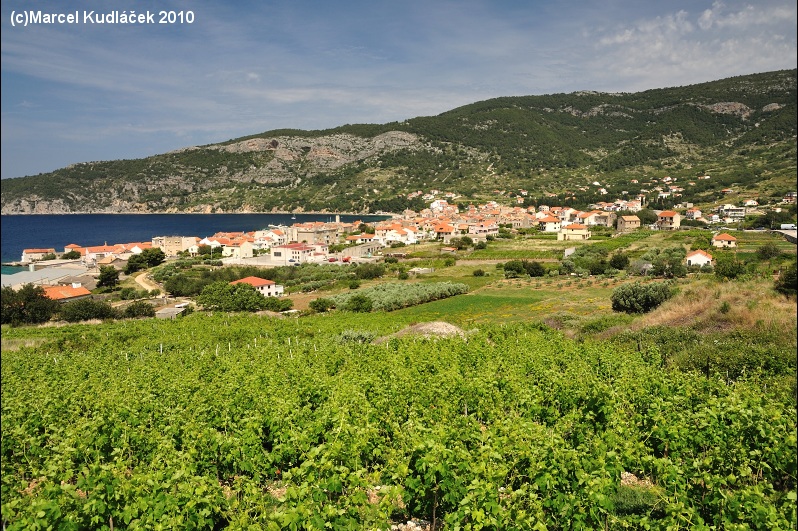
(276, 212)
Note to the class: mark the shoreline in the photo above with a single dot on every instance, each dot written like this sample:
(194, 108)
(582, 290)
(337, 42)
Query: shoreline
(303, 213)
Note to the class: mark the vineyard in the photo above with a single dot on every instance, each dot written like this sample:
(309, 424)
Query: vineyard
(247, 422)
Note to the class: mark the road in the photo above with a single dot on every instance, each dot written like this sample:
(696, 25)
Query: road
(145, 282)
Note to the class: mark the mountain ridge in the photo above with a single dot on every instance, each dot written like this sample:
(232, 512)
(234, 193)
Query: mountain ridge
(552, 146)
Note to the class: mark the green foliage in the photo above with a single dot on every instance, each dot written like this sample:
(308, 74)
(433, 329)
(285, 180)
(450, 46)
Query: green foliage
(109, 277)
(87, 309)
(357, 303)
(71, 255)
(640, 297)
(668, 262)
(139, 309)
(768, 251)
(321, 305)
(237, 421)
(225, 297)
(449, 261)
(478, 273)
(727, 267)
(28, 305)
(369, 271)
(619, 261)
(392, 296)
(787, 282)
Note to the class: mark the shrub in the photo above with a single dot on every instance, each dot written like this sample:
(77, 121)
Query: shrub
(640, 298)
(788, 282)
(321, 305)
(478, 273)
(728, 268)
(359, 304)
(768, 251)
(86, 309)
(139, 309)
(354, 284)
(28, 305)
(369, 271)
(449, 261)
(403, 275)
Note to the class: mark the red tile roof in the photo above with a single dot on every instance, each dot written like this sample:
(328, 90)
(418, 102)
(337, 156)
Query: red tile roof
(253, 281)
(65, 292)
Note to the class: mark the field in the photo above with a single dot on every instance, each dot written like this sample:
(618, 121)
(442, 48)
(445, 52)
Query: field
(547, 411)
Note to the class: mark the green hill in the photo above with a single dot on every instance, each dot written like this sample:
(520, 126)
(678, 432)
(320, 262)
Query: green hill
(741, 131)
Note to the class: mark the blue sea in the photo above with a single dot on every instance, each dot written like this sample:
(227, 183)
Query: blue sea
(59, 230)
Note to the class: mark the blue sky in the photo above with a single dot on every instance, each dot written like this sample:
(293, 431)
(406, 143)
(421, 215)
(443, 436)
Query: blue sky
(83, 92)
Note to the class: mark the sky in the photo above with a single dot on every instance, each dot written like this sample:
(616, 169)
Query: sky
(85, 91)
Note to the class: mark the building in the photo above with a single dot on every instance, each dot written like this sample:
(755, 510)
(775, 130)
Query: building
(69, 293)
(574, 232)
(698, 258)
(724, 240)
(267, 288)
(34, 255)
(668, 220)
(628, 223)
(172, 245)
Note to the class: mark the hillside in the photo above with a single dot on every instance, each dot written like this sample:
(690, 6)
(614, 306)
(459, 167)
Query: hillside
(740, 130)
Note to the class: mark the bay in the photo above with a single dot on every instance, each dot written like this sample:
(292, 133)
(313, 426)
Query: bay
(59, 230)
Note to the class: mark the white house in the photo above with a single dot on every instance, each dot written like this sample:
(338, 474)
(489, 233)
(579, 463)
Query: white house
(267, 288)
(698, 258)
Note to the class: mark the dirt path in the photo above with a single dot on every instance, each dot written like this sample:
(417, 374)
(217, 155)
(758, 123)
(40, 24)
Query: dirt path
(145, 282)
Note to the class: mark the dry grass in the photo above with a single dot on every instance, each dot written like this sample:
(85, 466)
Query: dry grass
(712, 306)
(10, 345)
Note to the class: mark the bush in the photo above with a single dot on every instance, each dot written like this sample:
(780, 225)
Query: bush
(478, 273)
(449, 261)
(359, 303)
(86, 309)
(321, 305)
(640, 298)
(788, 282)
(728, 268)
(768, 251)
(354, 284)
(403, 275)
(28, 305)
(369, 271)
(139, 309)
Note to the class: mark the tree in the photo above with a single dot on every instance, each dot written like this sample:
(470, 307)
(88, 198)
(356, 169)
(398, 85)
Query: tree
(359, 303)
(109, 277)
(135, 263)
(71, 255)
(28, 305)
(768, 251)
(619, 261)
(728, 267)
(321, 305)
(667, 263)
(225, 297)
(153, 256)
(640, 298)
(788, 280)
(534, 269)
(86, 309)
(139, 309)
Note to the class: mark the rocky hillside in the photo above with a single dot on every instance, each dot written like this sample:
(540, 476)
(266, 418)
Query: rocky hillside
(742, 130)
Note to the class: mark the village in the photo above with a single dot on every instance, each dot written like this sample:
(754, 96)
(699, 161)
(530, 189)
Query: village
(70, 272)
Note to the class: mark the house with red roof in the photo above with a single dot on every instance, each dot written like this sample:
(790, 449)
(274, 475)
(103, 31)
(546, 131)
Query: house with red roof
(574, 232)
(668, 220)
(724, 240)
(267, 288)
(698, 258)
(66, 293)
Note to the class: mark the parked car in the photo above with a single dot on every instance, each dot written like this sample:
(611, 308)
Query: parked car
(333, 259)
(346, 259)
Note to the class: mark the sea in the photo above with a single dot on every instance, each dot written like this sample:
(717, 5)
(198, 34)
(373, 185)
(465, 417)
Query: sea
(59, 230)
